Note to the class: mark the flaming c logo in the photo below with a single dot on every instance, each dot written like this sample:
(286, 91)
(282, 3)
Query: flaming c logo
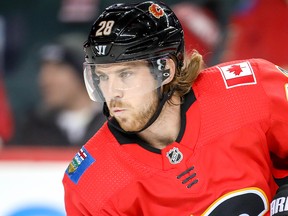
(156, 10)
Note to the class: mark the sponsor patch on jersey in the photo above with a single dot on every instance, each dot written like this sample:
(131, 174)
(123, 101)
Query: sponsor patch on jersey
(239, 74)
(285, 72)
(79, 165)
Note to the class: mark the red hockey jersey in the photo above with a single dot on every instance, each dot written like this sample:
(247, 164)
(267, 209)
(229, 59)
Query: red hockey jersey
(231, 147)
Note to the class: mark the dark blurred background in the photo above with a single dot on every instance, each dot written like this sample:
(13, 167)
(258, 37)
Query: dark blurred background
(220, 30)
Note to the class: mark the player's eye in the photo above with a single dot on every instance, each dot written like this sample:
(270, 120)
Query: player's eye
(102, 77)
(125, 74)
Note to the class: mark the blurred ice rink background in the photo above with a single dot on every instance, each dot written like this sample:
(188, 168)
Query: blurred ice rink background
(30, 181)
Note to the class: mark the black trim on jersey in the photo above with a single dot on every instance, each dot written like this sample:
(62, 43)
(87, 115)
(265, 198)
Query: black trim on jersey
(282, 181)
(189, 99)
(125, 139)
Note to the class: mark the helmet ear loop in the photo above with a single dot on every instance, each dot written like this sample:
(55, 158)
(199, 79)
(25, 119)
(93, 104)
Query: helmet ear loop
(165, 75)
(160, 73)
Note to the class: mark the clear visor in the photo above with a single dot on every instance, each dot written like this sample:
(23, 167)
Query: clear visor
(105, 82)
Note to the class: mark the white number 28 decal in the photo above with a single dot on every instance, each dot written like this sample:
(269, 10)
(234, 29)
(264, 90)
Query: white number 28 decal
(245, 202)
(105, 28)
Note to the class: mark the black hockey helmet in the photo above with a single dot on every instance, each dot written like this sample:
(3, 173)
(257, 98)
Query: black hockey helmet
(127, 32)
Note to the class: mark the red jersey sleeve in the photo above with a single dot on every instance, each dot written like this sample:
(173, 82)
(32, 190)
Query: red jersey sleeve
(274, 80)
(73, 205)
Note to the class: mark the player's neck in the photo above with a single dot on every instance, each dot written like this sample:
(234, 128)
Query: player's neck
(165, 129)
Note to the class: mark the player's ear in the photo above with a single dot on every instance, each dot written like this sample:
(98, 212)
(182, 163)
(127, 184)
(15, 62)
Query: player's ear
(170, 65)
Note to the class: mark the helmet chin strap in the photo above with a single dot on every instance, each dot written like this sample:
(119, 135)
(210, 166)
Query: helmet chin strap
(113, 122)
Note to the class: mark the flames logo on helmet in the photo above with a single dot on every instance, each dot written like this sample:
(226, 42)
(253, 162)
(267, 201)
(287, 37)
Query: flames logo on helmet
(156, 11)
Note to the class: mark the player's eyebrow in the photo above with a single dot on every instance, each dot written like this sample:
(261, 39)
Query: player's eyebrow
(101, 71)
(124, 66)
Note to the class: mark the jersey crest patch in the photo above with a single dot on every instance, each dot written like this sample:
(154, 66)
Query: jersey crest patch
(239, 74)
(285, 72)
(174, 155)
(81, 161)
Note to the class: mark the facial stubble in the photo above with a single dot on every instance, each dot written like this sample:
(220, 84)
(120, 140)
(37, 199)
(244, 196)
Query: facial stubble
(137, 118)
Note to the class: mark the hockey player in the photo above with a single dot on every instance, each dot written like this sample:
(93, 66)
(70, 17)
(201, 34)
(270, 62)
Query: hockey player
(177, 141)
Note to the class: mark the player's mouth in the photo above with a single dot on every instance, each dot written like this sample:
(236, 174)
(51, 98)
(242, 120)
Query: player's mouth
(117, 111)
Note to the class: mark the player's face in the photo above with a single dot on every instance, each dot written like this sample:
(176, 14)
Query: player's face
(134, 114)
(129, 90)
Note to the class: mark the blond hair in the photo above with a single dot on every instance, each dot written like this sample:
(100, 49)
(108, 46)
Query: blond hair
(186, 76)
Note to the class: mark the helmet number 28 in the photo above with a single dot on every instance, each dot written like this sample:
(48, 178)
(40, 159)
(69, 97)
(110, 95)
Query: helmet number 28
(105, 28)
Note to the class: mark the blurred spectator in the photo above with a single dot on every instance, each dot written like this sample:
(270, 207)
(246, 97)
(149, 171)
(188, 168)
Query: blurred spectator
(66, 115)
(75, 11)
(27, 26)
(201, 29)
(259, 29)
(6, 117)
(222, 10)
(205, 25)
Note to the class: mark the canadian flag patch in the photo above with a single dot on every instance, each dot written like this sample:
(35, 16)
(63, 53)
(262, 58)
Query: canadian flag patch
(238, 74)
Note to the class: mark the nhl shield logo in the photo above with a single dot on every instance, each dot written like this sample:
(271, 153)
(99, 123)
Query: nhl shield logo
(174, 156)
